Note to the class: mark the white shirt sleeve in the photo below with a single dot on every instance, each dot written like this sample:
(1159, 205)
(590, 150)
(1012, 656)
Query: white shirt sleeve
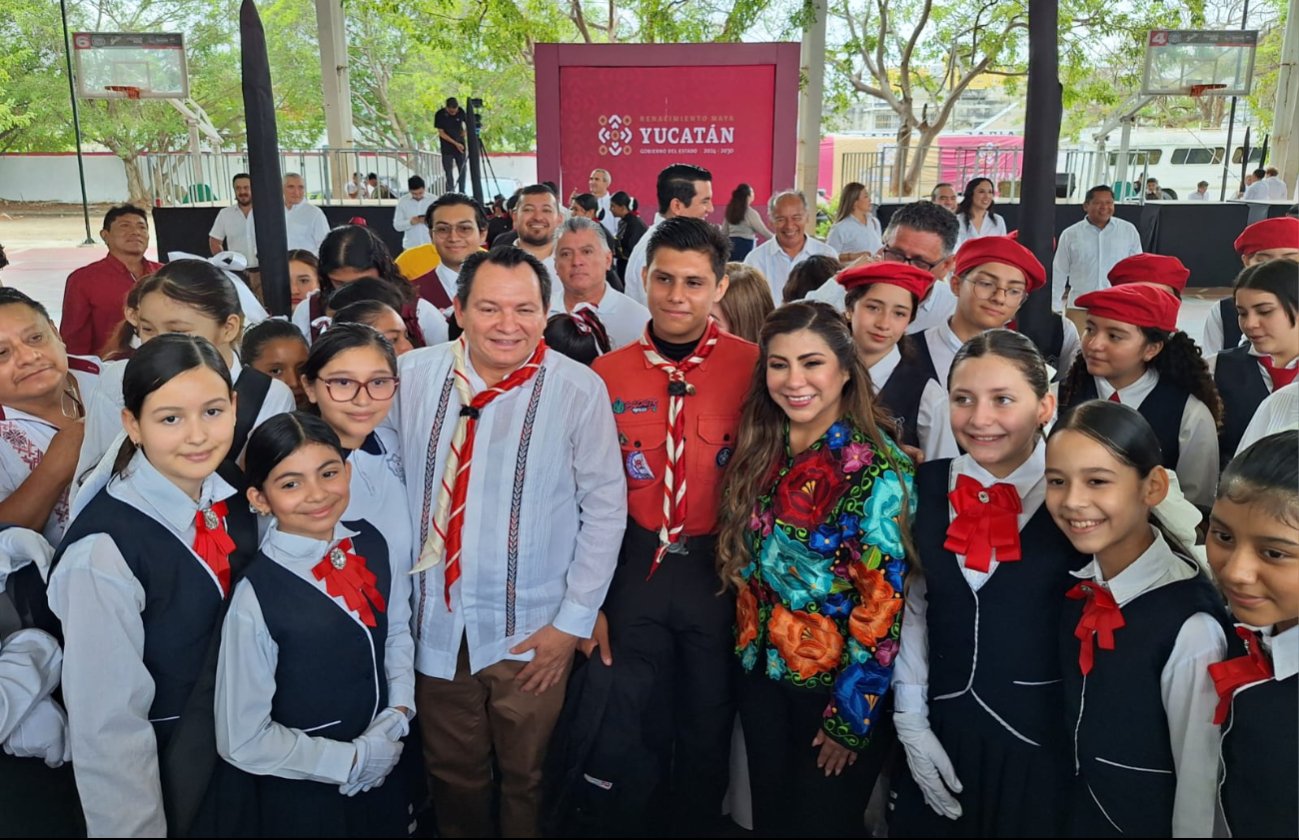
(245, 685)
(1278, 412)
(301, 318)
(399, 648)
(836, 238)
(218, 230)
(401, 216)
(1189, 701)
(431, 322)
(911, 668)
(30, 663)
(319, 227)
(1134, 243)
(1213, 333)
(602, 514)
(1197, 461)
(1060, 270)
(107, 690)
(634, 285)
(934, 425)
(1070, 347)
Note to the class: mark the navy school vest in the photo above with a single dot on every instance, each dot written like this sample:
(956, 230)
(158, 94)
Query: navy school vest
(1240, 384)
(900, 397)
(330, 679)
(1260, 767)
(1000, 641)
(1231, 334)
(1163, 408)
(1125, 782)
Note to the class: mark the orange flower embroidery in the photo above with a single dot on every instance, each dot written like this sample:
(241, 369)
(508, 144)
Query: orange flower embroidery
(809, 643)
(873, 619)
(746, 618)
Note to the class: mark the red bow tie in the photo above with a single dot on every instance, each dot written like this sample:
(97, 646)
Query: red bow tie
(212, 544)
(1101, 617)
(987, 518)
(346, 577)
(1235, 673)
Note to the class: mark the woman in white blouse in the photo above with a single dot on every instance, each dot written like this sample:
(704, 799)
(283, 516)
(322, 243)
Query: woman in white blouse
(975, 215)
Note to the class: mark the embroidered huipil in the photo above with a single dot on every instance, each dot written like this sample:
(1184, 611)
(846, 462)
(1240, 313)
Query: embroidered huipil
(821, 608)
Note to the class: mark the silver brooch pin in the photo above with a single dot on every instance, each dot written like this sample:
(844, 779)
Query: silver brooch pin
(210, 519)
(337, 558)
(983, 496)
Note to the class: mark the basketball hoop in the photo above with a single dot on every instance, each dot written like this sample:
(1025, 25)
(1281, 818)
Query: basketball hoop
(1198, 91)
(128, 91)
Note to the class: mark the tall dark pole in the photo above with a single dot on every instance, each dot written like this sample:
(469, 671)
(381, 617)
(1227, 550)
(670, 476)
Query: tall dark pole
(1041, 142)
(264, 162)
(1231, 126)
(76, 120)
(473, 148)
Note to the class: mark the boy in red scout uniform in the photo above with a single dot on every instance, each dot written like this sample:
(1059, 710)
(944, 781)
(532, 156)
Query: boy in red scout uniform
(676, 395)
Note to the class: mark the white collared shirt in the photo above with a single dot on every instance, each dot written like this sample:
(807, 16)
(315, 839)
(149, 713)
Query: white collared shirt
(449, 278)
(1197, 437)
(911, 671)
(238, 232)
(1277, 413)
(1284, 650)
(850, 235)
(431, 320)
(1184, 682)
(634, 283)
(246, 734)
(624, 319)
(1212, 362)
(775, 264)
(1085, 254)
(1258, 191)
(546, 508)
(1196, 195)
(932, 423)
(24, 439)
(107, 689)
(992, 225)
(608, 219)
(306, 227)
(408, 207)
(1276, 189)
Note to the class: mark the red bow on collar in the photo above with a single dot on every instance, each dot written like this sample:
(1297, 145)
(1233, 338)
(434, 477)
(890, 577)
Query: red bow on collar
(213, 544)
(346, 577)
(987, 518)
(1232, 674)
(1101, 617)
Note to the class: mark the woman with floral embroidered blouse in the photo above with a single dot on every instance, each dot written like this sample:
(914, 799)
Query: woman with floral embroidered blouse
(813, 537)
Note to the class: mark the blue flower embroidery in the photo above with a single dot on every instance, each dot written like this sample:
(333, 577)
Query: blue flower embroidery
(837, 435)
(799, 576)
(880, 526)
(894, 571)
(775, 665)
(824, 539)
(749, 657)
(856, 693)
(838, 605)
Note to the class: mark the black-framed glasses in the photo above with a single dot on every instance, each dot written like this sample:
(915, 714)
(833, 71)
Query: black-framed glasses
(892, 255)
(342, 389)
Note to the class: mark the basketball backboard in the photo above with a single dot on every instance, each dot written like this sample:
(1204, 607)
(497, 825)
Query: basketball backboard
(135, 65)
(1184, 62)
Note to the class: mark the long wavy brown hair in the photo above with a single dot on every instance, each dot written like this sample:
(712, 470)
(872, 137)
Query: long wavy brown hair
(761, 440)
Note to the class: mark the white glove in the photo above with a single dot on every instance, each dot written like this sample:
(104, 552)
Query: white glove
(390, 723)
(42, 734)
(930, 766)
(20, 546)
(376, 756)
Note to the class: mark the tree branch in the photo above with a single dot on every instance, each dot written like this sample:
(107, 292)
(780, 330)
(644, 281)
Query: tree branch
(910, 48)
(578, 17)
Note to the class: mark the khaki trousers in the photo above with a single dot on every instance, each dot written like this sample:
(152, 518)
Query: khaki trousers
(468, 720)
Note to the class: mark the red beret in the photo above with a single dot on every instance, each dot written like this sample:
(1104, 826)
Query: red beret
(1281, 232)
(1150, 268)
(1135, 303)
(914, 280)
(1001, 249)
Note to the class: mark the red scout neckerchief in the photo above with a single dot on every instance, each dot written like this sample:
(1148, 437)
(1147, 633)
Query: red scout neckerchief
(1100, 618)
(674, 479)
(346, 577)
(1238, 672)
(212, 542)
(1280, 376)
(444, 537)
(987, 518)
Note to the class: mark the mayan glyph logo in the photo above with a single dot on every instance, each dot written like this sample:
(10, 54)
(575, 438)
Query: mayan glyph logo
(615, 135)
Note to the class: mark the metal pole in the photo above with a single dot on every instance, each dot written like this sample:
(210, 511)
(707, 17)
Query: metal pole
(1231, 121)
(76, 121)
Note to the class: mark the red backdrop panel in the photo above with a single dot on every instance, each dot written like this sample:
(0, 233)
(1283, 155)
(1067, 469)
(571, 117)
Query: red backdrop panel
(634, 109)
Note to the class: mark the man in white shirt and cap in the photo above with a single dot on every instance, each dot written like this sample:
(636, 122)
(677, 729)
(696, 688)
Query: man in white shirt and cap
(1088, 249)
(775, 258)
(304, 223)
(234, 224)
(409, 217)
(582, 261)
(514, 475)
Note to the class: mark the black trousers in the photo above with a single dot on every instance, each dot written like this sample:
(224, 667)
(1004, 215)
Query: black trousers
(672, 642)
(792, 797)
(453, 158)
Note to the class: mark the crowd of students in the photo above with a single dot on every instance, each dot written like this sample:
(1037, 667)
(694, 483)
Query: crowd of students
(392, 562)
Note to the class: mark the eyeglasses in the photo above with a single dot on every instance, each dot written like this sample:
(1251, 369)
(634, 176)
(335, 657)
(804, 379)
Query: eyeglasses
(892, 255)
(465, 229)
(986, 290)
(380, 388)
